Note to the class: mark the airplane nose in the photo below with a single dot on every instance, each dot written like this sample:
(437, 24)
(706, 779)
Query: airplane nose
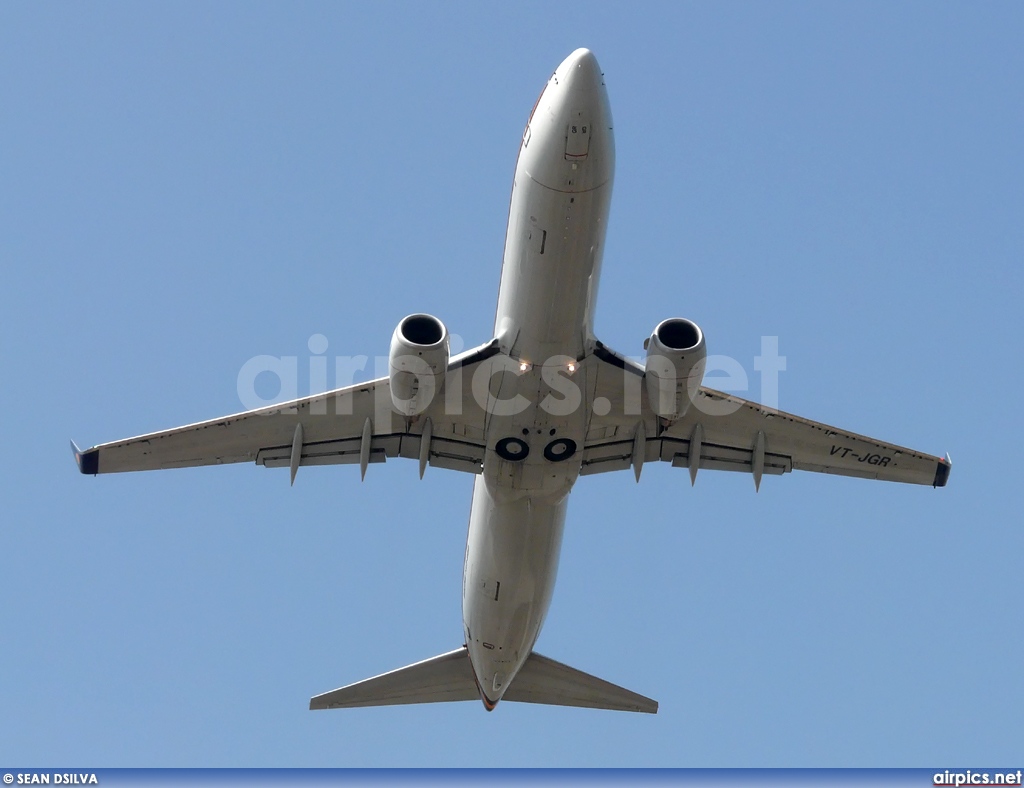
(580, 72)
(568, 144)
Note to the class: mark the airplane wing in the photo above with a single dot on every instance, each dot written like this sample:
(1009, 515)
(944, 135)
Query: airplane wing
(727, 433)
(353, 425)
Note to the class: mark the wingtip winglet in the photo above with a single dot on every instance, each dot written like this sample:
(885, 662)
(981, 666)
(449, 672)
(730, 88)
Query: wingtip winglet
(942, 470)
(88, 461)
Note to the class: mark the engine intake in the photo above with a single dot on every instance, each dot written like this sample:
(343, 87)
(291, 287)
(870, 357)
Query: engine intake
(417, 362)
(674, 369)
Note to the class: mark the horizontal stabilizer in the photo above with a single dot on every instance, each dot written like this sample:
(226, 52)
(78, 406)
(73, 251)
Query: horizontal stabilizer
(449, 677)
(444, 678)
(542, 680)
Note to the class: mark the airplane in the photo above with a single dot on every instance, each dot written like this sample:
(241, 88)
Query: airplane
(530, 411)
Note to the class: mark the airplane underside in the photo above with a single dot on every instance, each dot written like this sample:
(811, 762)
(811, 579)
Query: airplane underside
(530, 411)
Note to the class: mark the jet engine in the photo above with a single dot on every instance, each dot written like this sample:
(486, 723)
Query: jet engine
(675, 366)
(417, 362)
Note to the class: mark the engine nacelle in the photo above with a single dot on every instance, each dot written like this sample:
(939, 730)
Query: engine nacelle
(417, 363)
(674, 369)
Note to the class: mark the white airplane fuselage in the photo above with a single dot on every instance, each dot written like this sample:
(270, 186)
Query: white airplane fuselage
(544, 324)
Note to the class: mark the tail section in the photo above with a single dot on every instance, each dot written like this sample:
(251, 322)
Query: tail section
(446, 677)
(542, 680)
(449, 677)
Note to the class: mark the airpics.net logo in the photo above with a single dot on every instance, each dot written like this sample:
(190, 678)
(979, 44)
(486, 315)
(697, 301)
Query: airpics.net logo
(265, 380)
(950, 778)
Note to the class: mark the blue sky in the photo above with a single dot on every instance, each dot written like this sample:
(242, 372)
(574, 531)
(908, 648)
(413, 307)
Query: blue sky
(185, 186)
